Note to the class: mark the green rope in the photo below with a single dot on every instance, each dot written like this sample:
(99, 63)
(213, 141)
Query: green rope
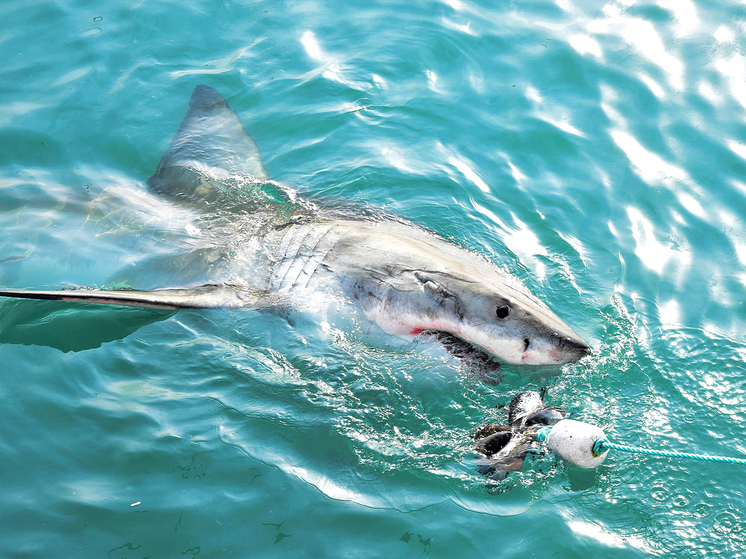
(542, 434)
(602, 445)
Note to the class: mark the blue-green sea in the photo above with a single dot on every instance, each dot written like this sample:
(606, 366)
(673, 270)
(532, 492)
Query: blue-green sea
(595, 150)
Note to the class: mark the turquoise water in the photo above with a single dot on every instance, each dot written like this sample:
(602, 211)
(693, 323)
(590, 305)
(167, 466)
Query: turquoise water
(595, 150)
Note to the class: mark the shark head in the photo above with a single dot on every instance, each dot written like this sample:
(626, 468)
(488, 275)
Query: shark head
(431, 286)
(508, 324)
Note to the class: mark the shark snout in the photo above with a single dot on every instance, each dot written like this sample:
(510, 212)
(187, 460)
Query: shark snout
(570, 349)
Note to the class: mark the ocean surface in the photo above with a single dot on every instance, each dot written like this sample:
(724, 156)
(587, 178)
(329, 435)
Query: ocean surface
(596, 150)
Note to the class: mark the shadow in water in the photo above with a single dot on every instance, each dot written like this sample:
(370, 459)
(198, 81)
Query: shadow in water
(71, 326)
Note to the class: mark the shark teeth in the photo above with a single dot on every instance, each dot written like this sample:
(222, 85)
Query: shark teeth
(477, 360)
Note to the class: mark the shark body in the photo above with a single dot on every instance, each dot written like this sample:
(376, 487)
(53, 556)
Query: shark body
(406, 280)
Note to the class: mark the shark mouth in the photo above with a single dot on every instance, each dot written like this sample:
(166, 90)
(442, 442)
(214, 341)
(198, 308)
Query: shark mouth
(477, 360)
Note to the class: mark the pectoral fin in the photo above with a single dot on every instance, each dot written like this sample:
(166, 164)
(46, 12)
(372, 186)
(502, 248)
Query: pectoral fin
(209, 296)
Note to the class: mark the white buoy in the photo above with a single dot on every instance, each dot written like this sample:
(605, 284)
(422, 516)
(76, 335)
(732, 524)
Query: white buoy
(573, 441)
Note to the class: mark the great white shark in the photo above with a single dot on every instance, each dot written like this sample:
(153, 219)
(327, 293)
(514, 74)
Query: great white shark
(406, 280)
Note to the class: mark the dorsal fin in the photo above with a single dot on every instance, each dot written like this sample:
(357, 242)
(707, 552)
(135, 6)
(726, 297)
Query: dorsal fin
(210, 155)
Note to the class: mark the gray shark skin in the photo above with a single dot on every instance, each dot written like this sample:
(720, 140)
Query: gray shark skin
(404, 279)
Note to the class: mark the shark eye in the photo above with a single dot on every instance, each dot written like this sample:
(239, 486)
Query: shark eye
(502, 311)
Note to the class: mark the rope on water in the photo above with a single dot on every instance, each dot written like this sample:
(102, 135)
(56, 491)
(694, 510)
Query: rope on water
(602, 445)
(573, 441)
(586, 445)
